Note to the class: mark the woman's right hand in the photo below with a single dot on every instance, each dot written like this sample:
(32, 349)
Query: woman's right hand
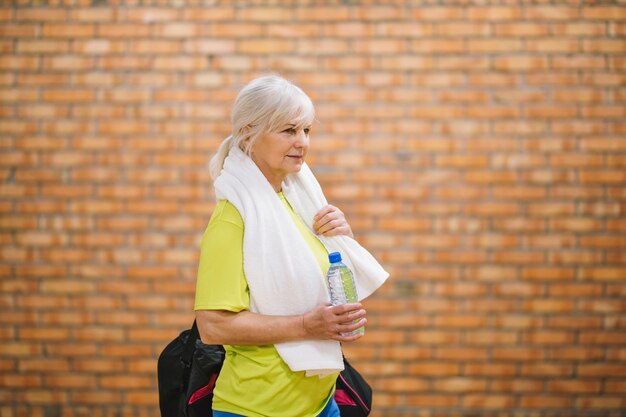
(328, 322)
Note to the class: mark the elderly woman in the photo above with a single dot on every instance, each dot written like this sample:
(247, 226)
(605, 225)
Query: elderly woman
(264, 254)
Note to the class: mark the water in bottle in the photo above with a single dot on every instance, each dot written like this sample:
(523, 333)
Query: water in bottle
(341, 285)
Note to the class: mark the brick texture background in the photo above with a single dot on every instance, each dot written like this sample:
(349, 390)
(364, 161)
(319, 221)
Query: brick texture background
(477, 147)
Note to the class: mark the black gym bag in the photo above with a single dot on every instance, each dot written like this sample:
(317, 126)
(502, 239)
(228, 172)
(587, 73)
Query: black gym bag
(187, 371)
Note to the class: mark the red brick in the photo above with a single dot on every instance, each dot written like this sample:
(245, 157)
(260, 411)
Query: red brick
(322, 13)
(73, 350)
(518, 354)
(99, 397)
(498, 402)
(125, 350)
(615, 386)
(460, 62)
(20, 381)
(6, 14)
(603, 13)
(521, 29)
(51, 365)
(601, 176)
(603, 273)
(405, 385)
(603, 79)
(15, 30)
(604, 305)
(602, 370)
(548, 337)
(434, 369)
(578, 386)
(460, 321)
(490, 337)
(68, 30)
(96, 14)
(43, 47)
(548, 305)
(517, 385)
(601, 402)
(614, 28)
(20, 349)
(41, 14)
(44, 396)
(265, 14)
(226, 30)
(491, 370)
(461, 385)
(510, 289)
(19, 63)
(125, 63)
(99, 47)
(546, 370)
(68, 96)
(147, 46)
(60, 191)
(124, 382)
(576, 224)
(69, 381)
(67, 287)
(147, 334)
(148, 15)
(214, 13)
(580, 29)
(431, 400)
(520, 63)
(434, 337)
(602, 338)
(518, 257)
(552, 13)
(587, 353)
(145, 398)
(178, 30)
(41, 239)
(124, 30)
(47, 334)
(494, 13)
(180, 63)
(545, 402)
(574, 290)
(462, 354)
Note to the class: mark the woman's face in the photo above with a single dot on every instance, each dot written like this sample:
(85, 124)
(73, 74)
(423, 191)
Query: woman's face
(280, 153)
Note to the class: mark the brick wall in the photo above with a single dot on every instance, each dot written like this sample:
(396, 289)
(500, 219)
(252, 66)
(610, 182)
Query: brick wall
(478, 149)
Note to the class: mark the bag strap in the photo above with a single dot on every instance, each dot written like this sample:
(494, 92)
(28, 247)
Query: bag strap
(187, 355)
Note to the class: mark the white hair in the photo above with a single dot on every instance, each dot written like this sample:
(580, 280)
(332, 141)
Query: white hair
(264, 105)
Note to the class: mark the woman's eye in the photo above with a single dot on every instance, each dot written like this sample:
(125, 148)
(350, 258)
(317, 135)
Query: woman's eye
(306, 131)
(291, 131)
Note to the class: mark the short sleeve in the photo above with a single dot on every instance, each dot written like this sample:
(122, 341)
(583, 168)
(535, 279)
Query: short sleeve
(221, 283)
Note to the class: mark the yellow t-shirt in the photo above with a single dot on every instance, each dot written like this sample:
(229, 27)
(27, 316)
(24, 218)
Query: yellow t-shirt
(254, 380)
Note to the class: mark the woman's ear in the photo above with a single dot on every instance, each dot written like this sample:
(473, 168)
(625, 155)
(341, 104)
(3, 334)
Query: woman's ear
(245, 142)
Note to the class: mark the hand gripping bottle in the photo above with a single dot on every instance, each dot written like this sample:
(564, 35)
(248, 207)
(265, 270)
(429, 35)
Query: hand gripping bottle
(341, 285)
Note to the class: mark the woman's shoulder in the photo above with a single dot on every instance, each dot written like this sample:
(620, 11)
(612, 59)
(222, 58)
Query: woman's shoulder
(226, 212)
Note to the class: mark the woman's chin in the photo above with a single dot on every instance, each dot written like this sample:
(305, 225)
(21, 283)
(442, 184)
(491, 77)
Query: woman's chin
(296, 165)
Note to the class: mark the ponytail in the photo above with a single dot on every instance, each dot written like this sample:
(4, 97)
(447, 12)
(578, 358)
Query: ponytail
(217, 161)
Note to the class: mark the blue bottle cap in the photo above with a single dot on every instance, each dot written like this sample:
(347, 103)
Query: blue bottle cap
(334, 257)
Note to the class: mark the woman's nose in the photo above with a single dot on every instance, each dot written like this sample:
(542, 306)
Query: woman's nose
(302, 139)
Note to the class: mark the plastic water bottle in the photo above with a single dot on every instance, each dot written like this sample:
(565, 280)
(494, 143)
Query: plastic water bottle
(341, 285)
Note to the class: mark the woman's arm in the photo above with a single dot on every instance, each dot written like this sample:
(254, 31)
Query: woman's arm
(246, 328)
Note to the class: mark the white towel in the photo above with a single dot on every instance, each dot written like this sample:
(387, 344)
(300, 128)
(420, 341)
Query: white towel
(282, 273)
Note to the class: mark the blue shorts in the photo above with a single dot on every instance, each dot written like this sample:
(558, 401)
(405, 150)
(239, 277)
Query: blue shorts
(331, 410)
